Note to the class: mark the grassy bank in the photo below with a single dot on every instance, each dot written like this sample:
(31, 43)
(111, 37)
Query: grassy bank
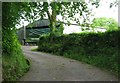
(98, 49)
(14, 67)
(14, 64)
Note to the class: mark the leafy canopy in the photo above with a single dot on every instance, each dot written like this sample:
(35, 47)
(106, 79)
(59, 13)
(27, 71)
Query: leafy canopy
(108, 23)
(31, 11)
(68, 10)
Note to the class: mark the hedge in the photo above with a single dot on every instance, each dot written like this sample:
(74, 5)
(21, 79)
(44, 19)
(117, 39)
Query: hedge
(99, 49)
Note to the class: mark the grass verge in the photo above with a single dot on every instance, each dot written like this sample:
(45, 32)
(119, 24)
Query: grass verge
(98, 49)
(14, 66)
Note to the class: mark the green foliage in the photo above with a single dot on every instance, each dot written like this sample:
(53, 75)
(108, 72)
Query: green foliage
(114, 3)
(14, 66)
(108, 23)
(99, 49)
(59, 30)
(31, 11)
(14, 63)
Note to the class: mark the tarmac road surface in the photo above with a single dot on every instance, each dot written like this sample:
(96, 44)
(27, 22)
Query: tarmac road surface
(48, 67)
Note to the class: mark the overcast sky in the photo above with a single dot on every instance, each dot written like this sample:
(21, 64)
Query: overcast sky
(105, 11)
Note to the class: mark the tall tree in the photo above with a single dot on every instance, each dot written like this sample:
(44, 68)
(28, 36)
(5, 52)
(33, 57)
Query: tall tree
(11, 14)
(11, 50)
(75, 11)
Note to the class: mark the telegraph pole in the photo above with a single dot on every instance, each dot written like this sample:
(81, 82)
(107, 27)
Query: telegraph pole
(24, 33)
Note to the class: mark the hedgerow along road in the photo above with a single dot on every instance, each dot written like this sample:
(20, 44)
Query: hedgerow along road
(48, 67)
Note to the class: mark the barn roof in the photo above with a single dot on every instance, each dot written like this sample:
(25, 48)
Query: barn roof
(44, 23)
(39, 23)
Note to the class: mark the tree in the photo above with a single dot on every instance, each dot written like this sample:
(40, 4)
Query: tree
(114, 3)
(67, 10)
(11, 14)
(11, 50)
(108, 23)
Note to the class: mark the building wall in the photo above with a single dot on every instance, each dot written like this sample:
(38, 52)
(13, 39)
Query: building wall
(20, 34)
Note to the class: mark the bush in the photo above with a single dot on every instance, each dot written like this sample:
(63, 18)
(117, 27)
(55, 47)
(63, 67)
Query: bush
(99, 49)
(14, 64)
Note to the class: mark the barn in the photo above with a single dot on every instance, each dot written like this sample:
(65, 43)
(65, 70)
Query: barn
(29, 35)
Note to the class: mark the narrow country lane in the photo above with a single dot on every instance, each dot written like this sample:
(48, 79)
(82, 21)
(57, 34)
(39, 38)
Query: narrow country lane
(47, 67)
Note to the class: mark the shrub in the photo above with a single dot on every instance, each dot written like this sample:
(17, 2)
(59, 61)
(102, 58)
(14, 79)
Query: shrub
(99, 49)
(14, 64)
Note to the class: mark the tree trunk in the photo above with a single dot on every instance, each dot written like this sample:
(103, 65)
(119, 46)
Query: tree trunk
(52, 19)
